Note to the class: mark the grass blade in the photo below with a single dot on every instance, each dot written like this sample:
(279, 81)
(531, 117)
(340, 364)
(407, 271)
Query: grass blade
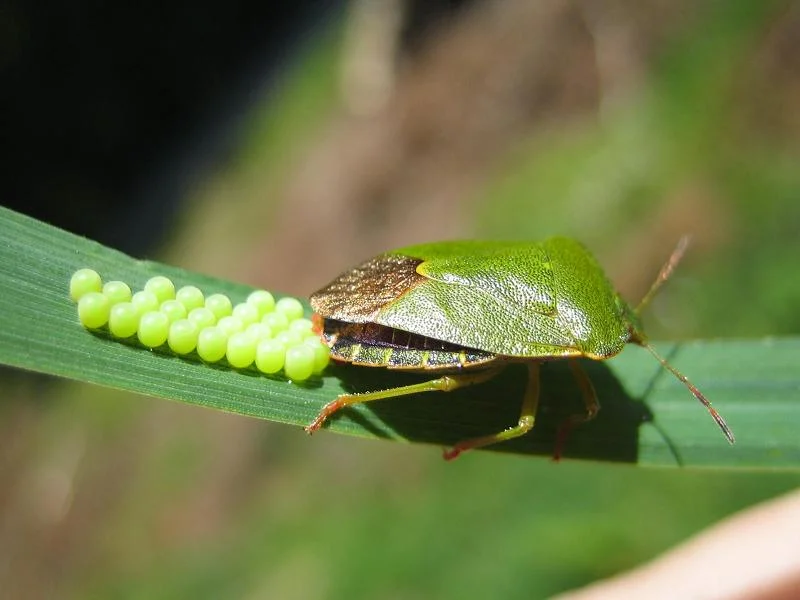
(647, 417)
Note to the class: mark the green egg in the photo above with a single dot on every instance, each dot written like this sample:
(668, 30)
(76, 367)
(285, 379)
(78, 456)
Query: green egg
(276, 321)
(220, 305)
(291, 307)
(259, 331)
(230, 325)
(299, 362)
(248, 313)
(270, 355)
(241, 351)
(93, 310)
(162, 287)
(183, 334)
(174, 310)
(84, 281)
(212, 344)
(123, 320)
(145, 301)
(153, 329)
(290, 338)
(202, 317)
(117, 291)
(191, 297)
(301, 325)
(322, 353)
(263, 301)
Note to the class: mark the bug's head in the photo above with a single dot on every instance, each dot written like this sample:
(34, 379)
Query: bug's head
(637, 335)
(632, 319)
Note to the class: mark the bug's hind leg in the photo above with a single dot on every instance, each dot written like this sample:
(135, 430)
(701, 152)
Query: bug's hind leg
(446, 383)
(589, 400)
(524, 425)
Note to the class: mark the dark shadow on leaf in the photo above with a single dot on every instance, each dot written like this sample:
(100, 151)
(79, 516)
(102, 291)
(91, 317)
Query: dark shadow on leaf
(660, 372)
(446, 418)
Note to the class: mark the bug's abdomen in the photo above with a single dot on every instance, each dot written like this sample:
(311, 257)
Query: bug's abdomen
(373, 345)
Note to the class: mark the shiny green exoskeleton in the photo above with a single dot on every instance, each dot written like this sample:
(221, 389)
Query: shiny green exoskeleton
(465, 309)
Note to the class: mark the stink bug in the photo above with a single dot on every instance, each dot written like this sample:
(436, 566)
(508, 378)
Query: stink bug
(465, 309)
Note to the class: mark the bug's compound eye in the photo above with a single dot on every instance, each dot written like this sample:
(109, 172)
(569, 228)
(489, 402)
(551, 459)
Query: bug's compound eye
(84, 281)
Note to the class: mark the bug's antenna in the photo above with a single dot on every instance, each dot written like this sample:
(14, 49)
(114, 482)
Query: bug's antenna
(665, 272)
(697, 393)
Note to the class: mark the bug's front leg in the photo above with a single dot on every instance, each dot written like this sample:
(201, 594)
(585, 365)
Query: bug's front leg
(446, 383)
(527, 418)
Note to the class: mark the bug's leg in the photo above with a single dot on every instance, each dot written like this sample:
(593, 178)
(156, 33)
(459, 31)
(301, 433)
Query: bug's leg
(446, 383)
(526, 419)
(589, 400)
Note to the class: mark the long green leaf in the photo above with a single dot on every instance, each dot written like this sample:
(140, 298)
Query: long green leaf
(648, 417)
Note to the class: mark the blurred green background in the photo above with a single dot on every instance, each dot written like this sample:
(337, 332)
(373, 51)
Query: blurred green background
(622, 124)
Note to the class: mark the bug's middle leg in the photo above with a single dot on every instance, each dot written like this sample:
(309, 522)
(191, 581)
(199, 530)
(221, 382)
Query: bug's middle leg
(590, 401)
(526, 419)
(446, 383)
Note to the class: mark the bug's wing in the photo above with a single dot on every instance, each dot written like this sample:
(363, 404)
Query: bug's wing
(357, 295)
(516, 299)
(494, 297)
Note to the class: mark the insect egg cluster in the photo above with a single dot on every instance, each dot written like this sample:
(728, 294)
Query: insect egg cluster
(270, 335)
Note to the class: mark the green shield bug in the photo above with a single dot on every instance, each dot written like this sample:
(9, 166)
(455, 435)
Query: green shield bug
(465, 309)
